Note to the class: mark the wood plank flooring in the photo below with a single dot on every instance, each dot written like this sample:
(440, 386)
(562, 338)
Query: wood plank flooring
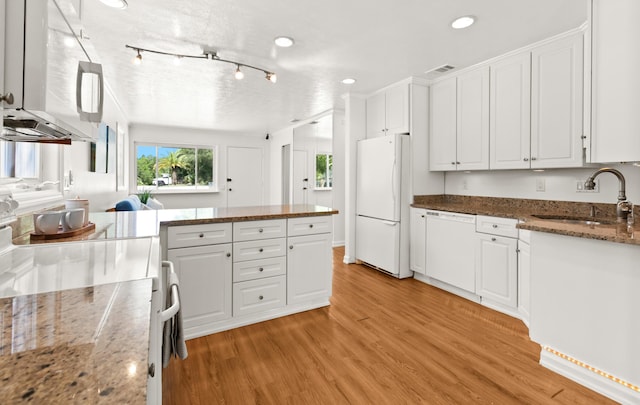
(382, 341)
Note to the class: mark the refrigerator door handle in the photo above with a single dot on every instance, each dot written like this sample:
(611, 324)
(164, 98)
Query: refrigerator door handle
(393, 181)
(390, 223)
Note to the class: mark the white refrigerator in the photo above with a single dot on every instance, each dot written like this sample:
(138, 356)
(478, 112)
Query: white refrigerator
(383, 197)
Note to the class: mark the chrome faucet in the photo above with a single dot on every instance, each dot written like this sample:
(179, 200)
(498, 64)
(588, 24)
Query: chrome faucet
(623, 207)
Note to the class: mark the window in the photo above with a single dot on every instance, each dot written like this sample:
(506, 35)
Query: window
(176, 168)
(19, 160)
(324, 171)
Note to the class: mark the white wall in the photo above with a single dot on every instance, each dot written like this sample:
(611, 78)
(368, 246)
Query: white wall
(560, 184)
(98, 188)
(199, 137)
(276, 141)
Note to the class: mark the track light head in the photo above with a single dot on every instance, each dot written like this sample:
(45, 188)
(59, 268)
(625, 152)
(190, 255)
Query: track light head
(138, 59)
(271, 77)
(239, 75)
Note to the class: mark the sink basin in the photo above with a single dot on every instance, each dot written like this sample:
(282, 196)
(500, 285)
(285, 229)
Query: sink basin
(576, 220)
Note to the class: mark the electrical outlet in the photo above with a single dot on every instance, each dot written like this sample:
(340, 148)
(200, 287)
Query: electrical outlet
(540, 184)
(465, 186)
(580, 188)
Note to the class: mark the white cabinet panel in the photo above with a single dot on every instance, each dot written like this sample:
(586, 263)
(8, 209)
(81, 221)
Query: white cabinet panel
(497, 226)
(205, 284)
(615, 81)
(557, 103)
(496, 270)
(254, 269)
(258, 249)
(510, 113)
(442, 125)
(309, 225)
(472, 134)
(375, 106)
(418, 240)
(253, 230)
(524, 276)
(250, 297)
(397, 110)
(198, 235)
(309, 266)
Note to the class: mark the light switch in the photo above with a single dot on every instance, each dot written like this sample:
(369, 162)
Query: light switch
(540, 184)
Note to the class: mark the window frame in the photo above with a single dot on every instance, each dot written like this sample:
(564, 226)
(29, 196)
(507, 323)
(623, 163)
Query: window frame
(326, 173)
(157, 190)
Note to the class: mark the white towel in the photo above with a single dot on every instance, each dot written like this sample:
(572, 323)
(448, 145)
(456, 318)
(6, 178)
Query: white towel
(173, 332)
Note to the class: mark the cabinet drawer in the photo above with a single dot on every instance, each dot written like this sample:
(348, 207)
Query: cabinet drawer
(254, 296)
(255, 269)
(259, 249)
(198, 235)
(253, 230)
(497, 226)
(309, 225)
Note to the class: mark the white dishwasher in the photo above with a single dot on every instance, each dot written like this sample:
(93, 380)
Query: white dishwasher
(451, 244)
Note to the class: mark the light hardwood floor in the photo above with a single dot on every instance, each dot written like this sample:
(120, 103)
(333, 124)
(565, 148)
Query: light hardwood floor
(382, 341)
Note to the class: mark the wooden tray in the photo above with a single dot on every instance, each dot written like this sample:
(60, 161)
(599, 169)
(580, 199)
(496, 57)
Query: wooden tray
(63, 234)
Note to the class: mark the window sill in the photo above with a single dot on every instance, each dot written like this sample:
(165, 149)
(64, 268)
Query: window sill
(165, 191)
(323, 189)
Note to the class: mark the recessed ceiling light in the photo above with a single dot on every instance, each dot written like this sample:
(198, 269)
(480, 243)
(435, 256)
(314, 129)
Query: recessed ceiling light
(121, 4)
(283, 42)
(463, 22)
(348, 80)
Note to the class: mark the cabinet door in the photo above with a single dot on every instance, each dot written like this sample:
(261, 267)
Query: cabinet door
(615, 80)
(309, 268)
(472, 135)
(557, 103)
(442, 125)
(375, 108)
(524, 271)
(397, 109)
(496, 269)
(418, 240)
(510, 113)
(205, 284)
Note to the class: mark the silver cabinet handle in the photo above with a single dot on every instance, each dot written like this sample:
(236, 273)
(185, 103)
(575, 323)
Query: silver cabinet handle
(495, 226)
(261, 250)
(7, 98)
(261, 269)
(152, 369)
(457, 163)
(453, 163)
(526, 159)
(261, 298)
(228, 254)
(533, 158)
(201, 235)
(260, 230)
(493, 239)
(290, 246)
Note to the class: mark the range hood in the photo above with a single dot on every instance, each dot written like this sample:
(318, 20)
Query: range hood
(57, 90)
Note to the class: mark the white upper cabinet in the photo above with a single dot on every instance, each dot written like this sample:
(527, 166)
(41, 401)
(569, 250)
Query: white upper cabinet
(388, 112)
(510, 113)
(459, 122)
(442, 125)
(557, 88)
(472, 135)
(615, 114)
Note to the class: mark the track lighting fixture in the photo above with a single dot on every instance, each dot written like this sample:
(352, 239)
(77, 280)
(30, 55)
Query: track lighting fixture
(239, 75)
(138, 59)
(206, 54)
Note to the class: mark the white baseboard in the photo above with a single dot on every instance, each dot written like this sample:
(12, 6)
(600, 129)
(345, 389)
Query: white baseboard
(338, 243)
(589, 379)
(348, 260)
(447, 287)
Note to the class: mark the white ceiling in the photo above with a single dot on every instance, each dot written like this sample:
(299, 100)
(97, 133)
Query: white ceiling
(377, 42)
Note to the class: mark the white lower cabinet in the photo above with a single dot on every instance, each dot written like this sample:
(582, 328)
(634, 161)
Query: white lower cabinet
(205, 285)
(497, 263)
(308, 258)
(263, 270)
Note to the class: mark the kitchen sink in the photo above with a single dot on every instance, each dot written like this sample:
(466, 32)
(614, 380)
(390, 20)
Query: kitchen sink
(576, 220)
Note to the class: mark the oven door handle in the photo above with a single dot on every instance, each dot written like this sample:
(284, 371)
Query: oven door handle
(175, 300)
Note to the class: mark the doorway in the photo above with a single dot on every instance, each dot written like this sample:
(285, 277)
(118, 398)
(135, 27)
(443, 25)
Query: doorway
(244, 177)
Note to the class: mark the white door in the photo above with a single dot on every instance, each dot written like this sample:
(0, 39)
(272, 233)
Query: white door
(378, 177)
(300, 176)
(442, 125)
(472, 135)
(244, 177)
(510, 113)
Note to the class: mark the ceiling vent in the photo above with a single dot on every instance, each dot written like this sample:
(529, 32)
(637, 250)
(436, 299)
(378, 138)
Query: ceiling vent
(439, 70)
